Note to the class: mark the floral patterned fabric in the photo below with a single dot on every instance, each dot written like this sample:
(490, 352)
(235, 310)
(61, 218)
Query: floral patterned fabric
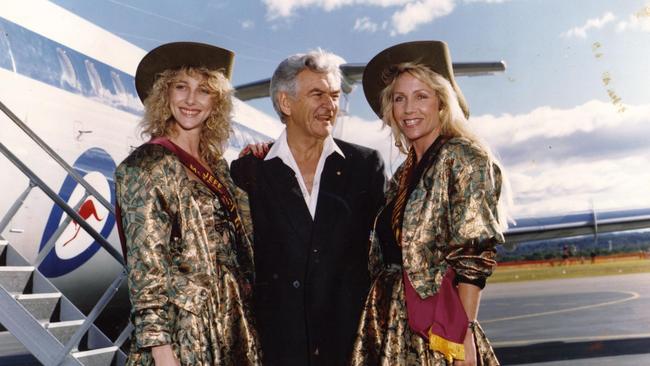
(189, 275)
(450, 219)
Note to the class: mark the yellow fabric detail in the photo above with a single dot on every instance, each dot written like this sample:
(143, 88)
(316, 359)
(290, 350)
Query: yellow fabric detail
(448, 348)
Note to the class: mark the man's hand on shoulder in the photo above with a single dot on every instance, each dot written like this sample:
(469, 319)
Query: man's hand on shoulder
(259, 150)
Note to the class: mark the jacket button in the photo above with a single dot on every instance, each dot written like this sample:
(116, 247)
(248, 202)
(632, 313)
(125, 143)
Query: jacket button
(296, 283)
(184, 268)
(275, 276)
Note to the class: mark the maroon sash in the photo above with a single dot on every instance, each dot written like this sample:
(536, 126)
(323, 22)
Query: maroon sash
(120, 230)
(205, 176)
(440, 318)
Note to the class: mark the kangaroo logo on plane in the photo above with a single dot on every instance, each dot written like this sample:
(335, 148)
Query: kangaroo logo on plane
(73, 246)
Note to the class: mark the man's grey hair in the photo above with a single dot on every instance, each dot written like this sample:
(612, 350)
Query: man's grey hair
(284, 77)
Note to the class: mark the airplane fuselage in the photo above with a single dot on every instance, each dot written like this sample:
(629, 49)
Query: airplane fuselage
(86, 109)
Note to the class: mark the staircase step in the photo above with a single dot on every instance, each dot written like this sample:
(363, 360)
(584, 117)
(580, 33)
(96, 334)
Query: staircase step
(96, 357)
(63, 331)
(15, 278)
(26, 294)
(41, 306)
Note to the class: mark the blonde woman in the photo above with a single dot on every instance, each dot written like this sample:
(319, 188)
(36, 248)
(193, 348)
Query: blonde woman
(433, 245)
(185, 224)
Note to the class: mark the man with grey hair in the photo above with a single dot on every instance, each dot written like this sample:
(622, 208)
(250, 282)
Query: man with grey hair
(313, 199)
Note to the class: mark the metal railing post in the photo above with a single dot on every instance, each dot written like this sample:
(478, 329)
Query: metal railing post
(15, 207)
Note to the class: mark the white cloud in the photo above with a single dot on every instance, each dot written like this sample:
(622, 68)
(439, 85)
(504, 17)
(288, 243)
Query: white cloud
(247, 24)
(285, 8)
(595, 23)
(486, 1)
(586, 118)
(558, 187)
(558, 160)
(365, 25)
(408, 14)
(635, 22)
(420, 12)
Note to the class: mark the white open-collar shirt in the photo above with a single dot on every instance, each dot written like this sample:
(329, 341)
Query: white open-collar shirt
(280, 149)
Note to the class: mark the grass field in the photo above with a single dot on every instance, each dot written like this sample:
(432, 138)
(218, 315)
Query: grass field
(531, 272)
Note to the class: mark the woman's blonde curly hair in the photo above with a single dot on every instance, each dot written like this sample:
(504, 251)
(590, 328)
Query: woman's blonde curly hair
(159, 122)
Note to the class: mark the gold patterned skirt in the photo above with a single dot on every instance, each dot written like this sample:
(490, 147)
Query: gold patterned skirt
(221, 333)
(384, 337)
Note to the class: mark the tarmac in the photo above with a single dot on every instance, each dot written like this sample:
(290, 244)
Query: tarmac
(582, 321)
(595, 321)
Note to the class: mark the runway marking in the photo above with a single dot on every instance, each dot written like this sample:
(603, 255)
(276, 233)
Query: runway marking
(633, 296)
(569, 339)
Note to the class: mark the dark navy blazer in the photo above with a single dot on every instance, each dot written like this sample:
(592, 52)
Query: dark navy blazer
(311, 275)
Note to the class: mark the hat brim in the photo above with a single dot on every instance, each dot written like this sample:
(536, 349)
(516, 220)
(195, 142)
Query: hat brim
(433, 54)
(180, 54)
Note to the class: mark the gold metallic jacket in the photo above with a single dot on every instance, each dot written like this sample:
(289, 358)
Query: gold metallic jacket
(451, 214)
(449, 220)
(188, 275)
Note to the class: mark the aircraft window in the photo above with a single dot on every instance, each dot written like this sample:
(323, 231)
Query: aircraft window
(95, 80)
(117, 83)
(68, 75)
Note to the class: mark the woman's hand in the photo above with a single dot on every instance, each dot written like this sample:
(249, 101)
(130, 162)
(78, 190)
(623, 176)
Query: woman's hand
(470, 351)
(164, 356)
(259, 149)
(470, 296)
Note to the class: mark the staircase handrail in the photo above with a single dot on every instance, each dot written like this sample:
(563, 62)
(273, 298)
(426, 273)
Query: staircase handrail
(56, 157)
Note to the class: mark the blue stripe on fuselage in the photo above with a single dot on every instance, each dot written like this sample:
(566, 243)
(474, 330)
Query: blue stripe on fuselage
(40, 58)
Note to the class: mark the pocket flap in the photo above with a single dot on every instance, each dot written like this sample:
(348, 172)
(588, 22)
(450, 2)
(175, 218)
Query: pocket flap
(189, 296)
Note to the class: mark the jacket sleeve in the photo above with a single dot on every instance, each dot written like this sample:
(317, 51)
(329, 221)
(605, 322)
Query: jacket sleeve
(475, 186)
(241, 172)
(147, 229)
(244, 246)
(377, 186)
(378, 182)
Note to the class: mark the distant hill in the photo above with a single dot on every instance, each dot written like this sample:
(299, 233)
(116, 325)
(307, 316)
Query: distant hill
(624, 242)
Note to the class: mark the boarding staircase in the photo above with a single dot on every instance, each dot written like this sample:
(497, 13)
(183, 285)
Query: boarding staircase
(38, 319)
(38, 324)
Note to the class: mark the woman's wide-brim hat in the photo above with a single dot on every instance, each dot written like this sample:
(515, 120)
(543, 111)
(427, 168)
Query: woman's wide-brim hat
(433, 54)
(180, 54)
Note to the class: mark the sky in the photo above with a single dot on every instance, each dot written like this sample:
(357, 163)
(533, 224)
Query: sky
(569, 118)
